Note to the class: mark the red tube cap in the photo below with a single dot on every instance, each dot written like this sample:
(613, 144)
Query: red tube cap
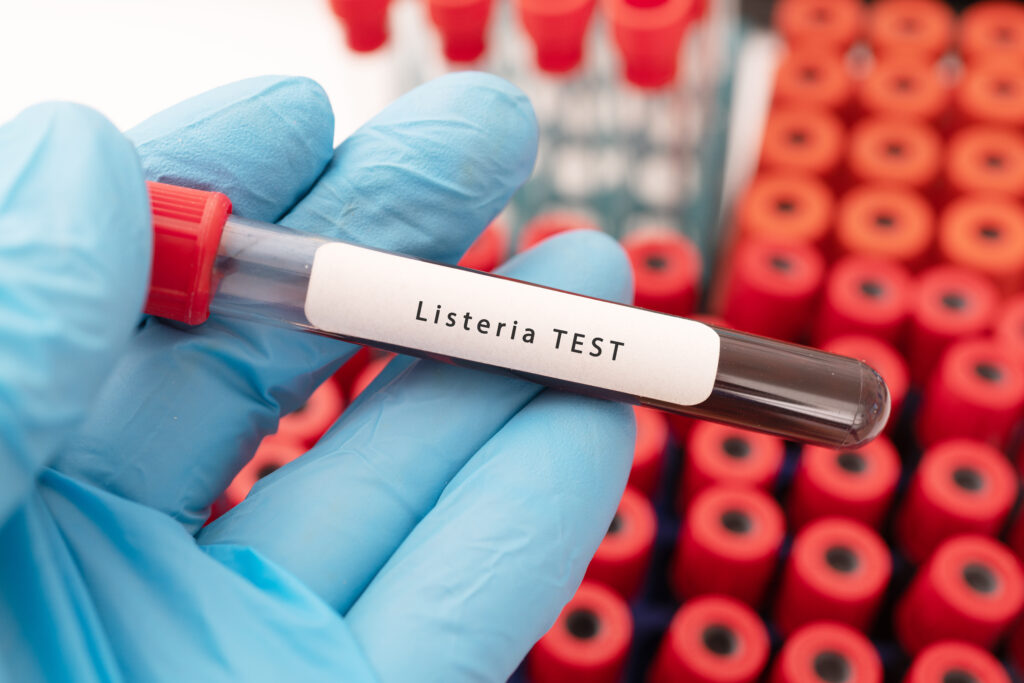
(921, 28)
(648, 34)
(552, 223)
(489, 250)
(557, 28)
(187, 225)
(987, 159)
(622, 558)
(865, 295)
(827, 651)
(649, 451)
(588, 642)
(720, 454)
(895, 151)
(904, 86)
(994, 28)
(951, 660)
(712, 640)
(893, 223)
(786, 208)
(991, 91)
(814, 77)
(366, 22)
(666, 270)
(462, 24)
(985, 234)
(834, 24)
(804, 140)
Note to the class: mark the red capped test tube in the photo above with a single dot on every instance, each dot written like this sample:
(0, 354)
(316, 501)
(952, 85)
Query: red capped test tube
(1009, 327)
(649, 450)
(365, 22)
(207, 261)
(557, 29)
(952, 661)
(551, 223)
(772, 289)
(728, 544)
(961, 486)
(489, 250)
(720, 454)
(893, 223)
(804, 139)
(827, 652)
(971, 589)
(859, 484)
(985, 234)
(786, 208)
(992, 29)
(649, 35)
(589, 641)
(666, 270)
(622, 558)
(838, 570)
(949, 302)
(305, 425)
(712, 639)
(864, 295)
(895, 151)
(992, 92)
(832, 24)
(986, 159)
(463, 27)
(271, 455)
(922, 29)
(814, 78)
(976, 392)
(905, 87)
(884, 358)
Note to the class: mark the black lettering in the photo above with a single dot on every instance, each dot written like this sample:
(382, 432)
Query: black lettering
(596, 343)
(419, 310)
(451, 320)
(558, 339)
(528, 335)
(483, 325)
(577, 342)
(497, 332)
(615, 351)
(466, 318)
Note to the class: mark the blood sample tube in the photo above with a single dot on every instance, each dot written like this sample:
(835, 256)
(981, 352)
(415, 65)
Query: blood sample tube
(895, 151)
(307, 424)
(719, 454)
(728, 544)
(365, 22)
(922, 29)
(858, 484)
(462, 25)
(772, 289)
(992, 29)
(986, 159)
(985, 234)
(552, 223)
(904, 86)
(489, 250)
(837, 570)
(712, 639)
(649, 35)
(990, 92)
(884, 358)
(827, 652)
(589, 641)
(812, 77)
(804, 140)
(833, 24)
(206, 260)
(649, 452)
(271, 455)
(1009, 327)
(864, 295)
(888, 222)
(680, 425)
(977, 392)
(557, 29)
(666, 270)
(971, 589)
(949, 302)
(961, 486)
(786, 208)
(622, 558)
(951, 661)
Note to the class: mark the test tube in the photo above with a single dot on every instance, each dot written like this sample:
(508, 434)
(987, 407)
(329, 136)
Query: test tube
(207, 260)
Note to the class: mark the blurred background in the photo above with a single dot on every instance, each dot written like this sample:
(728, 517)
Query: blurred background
(835, 173)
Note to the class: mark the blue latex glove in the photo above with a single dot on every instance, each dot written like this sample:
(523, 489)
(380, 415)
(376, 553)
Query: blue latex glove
(433, 534)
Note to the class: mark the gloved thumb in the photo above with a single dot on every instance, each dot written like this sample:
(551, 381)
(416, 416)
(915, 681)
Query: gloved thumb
(74, 265)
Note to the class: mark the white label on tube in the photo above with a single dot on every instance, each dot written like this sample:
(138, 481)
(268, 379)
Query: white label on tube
(450, 312)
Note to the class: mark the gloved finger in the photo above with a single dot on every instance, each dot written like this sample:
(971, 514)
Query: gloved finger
(74, 261)
(487, 571)
(425, 177)
(383, 466)
(182, 396)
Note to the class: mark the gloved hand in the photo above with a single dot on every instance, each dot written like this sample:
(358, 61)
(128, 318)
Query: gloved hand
(433, 534)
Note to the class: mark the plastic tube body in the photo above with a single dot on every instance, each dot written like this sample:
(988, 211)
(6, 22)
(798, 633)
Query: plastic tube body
(262, 273)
